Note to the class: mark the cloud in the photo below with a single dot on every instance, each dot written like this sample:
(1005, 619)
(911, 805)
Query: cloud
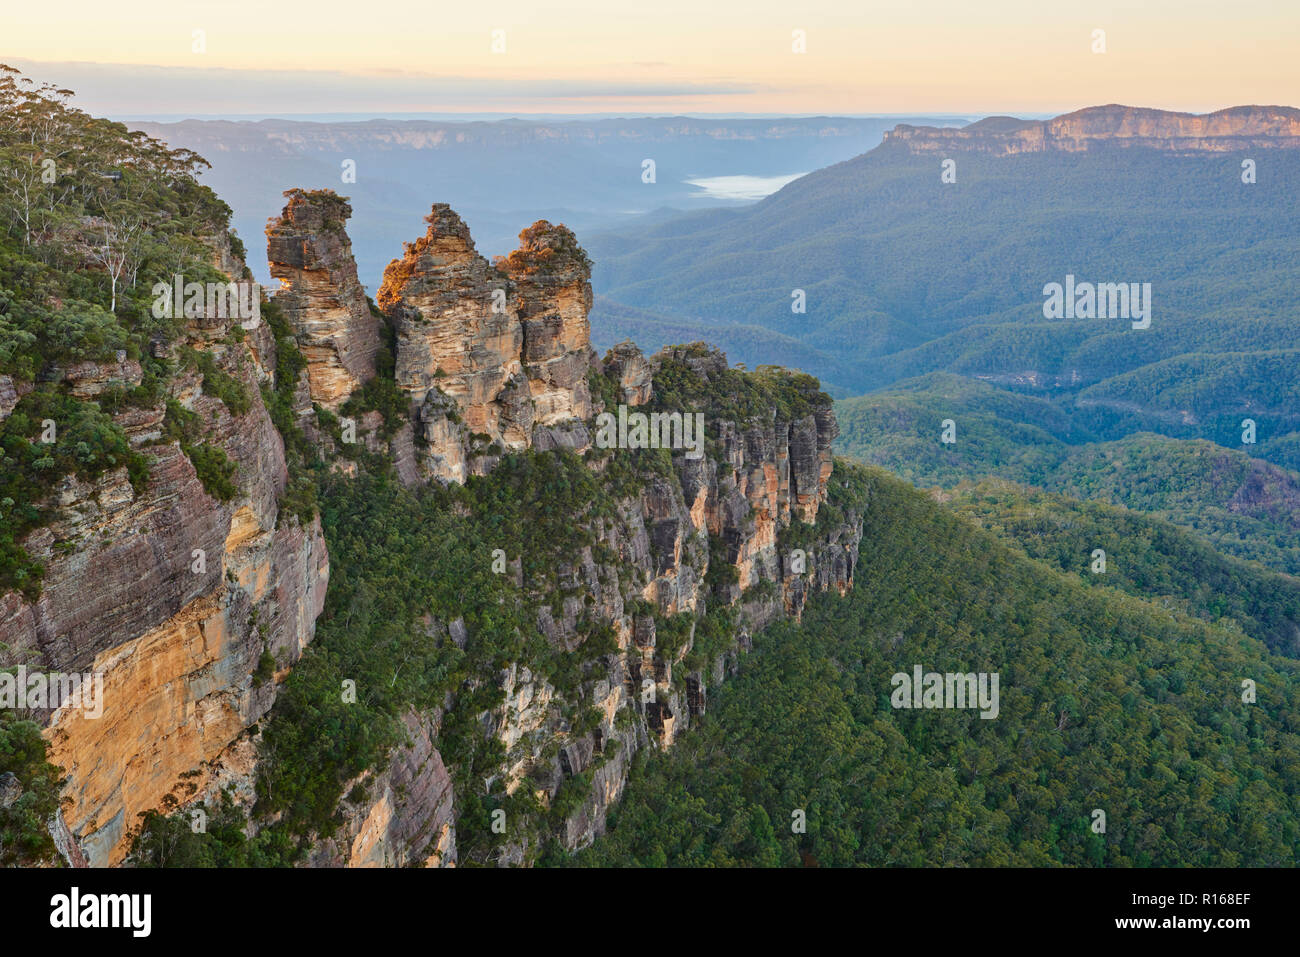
(130, 89)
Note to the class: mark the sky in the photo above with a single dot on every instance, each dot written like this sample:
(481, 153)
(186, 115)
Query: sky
(284, 57)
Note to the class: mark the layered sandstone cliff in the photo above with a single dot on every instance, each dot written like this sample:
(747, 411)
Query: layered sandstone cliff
(496, 358)
(199, 607)
(1237, 128)
(648, 577)
(180, 601)
(550, 277)
(650, 571)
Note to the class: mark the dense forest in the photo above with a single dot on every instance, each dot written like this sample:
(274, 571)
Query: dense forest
(1245, 506)
(1107, 546)
(1123, 738)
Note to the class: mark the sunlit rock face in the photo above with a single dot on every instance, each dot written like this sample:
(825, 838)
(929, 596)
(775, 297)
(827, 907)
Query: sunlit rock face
(551, 278)
(767, 474)
(173, 597)
(494, 357)
(309, 252)
(1240, 127)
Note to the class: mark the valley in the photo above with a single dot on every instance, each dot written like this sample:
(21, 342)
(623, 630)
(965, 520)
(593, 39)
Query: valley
(457, 574)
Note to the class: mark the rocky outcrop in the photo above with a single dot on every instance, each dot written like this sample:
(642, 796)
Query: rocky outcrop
(628, 365)
(628, 605)
(85, 380)
(193, 609)
(402, 816)
(188, 607)
(1236, 128)
(769, 472)
(648, 579)
(494, 358)
(309, 252)
(551, 283)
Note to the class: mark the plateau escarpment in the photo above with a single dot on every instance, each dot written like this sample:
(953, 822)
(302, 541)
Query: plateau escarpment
(515, 606)
(644, 573)
(1237, 128)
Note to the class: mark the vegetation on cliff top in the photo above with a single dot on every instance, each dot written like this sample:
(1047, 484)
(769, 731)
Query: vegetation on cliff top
(91, 216)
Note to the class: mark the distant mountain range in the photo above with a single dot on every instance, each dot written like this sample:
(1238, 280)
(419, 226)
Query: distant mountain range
(1236, 128)
(904, 273)
(926, 266)
(586, 173)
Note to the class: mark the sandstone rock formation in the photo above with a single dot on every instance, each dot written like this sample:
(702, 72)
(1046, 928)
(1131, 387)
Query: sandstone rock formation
(649, 562)
(626, 363)
(309, 252)
(494, 359)
(194, 609)
(551, 283)
(1236, 128)
(732, 507)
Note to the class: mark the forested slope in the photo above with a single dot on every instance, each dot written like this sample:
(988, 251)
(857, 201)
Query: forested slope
(1246, 506)
(1108, 704)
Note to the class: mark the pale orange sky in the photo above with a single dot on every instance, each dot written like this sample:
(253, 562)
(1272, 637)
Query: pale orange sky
(658, 55)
